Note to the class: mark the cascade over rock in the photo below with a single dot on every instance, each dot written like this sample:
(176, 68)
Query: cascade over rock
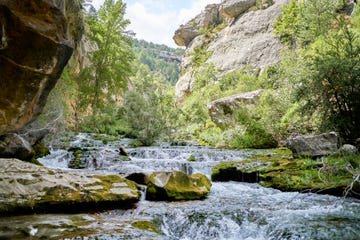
(37, 40)
(247, 40)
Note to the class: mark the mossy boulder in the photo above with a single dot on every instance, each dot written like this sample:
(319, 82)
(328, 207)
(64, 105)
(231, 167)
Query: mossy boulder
(28, 188)
(177, 185)
(277, 169)
(233, 171)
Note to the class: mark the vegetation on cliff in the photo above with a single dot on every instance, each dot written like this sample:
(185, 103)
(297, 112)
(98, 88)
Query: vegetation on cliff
(135, 97)
(314, 88)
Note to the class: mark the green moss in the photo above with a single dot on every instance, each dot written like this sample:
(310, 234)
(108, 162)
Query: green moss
(136, 144)
(178, 187)
(277, 169)
(105, 138)
(146, 225)
(192, 158)
(218, 169)
(40, 150)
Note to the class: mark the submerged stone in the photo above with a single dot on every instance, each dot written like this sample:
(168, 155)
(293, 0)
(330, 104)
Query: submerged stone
(177, 185)
(27, 188)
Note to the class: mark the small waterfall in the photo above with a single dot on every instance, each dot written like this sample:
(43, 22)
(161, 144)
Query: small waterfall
(232, 210)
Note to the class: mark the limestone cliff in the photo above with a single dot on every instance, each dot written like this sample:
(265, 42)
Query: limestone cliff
(37, 40)
(244, 37)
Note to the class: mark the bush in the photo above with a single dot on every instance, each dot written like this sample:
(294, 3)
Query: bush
(255, 136)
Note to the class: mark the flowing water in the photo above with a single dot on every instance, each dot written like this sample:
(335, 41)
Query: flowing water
(231, 211)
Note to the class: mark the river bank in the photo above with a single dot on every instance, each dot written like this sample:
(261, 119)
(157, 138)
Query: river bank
(232, 210)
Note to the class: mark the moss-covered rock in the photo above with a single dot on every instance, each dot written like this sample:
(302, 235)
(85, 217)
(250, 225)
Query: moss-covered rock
(79, 159)
(177, 185)
(27, 188)
(146, 225)
(234, 171)
(277, 169)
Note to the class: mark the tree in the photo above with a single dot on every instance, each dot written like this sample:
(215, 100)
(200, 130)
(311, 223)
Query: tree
(104, 80)
(333, 86)
(149, 105)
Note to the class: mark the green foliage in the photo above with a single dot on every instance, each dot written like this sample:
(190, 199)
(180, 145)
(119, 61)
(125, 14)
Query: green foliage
(302, 22)
(333, 87)
(159, 58)
(254, 135)
(107, 76)
(286, 26)
(200, 56)
(149, 106)
(205, 76)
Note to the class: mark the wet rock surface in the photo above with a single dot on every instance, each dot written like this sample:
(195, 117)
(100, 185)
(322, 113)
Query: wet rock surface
(278, 169)
(28, 188)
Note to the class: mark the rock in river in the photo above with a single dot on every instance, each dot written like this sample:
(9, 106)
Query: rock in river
(28, 188)
(177, 185)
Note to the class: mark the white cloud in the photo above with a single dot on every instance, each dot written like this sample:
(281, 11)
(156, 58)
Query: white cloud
(159, 27)
(97, 3)
(149, 26)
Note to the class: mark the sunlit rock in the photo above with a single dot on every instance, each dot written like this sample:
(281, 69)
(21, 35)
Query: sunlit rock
(248, 40)
(187, 32)
(177, 185)
(233, 8)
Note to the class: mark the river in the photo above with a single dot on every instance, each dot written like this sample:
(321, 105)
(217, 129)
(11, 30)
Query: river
(232, 210)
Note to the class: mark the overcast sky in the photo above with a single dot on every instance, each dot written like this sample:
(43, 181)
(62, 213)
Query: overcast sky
(156, 20)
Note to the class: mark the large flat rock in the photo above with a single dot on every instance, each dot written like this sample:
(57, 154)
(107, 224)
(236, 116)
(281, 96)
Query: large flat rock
(28, 188)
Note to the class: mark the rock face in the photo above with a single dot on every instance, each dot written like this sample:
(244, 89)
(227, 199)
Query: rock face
(187, 32)
(177, 185)
(221, 110)
(14, 146)
(233, 8)
(247, 41)
(36, 43)
(27, 188)
(314, 146)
